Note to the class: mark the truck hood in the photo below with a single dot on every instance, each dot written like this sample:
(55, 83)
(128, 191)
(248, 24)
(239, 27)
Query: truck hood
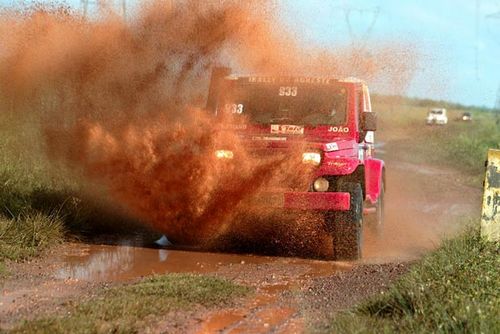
(332, 146)
(332, 140)
(340, 155)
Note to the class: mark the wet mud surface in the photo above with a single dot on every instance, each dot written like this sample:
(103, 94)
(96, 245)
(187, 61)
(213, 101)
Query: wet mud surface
(423, 204)
(122, 263)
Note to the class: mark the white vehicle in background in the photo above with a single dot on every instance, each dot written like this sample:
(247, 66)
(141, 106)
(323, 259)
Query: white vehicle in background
(437, 116)
(466, 117)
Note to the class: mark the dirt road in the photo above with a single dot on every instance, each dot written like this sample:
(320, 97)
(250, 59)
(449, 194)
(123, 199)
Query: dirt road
(422, 204)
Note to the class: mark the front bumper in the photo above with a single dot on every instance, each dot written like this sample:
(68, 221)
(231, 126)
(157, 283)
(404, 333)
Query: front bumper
(336, 201)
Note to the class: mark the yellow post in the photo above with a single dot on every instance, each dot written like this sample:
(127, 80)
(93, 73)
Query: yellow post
(490, 216)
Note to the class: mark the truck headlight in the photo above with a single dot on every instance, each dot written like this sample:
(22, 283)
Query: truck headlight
(224, 154)
(321, 184)
(313, 158)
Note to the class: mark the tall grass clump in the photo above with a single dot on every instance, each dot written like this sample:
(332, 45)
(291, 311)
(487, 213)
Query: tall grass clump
(28, 234)
(453, 290)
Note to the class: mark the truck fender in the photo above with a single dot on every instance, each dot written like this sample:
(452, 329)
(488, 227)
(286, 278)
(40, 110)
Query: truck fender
(374, 175)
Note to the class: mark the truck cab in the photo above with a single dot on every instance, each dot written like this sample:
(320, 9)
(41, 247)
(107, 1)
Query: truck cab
(332, 123)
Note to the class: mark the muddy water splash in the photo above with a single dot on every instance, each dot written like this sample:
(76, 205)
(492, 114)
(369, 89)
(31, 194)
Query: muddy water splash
(118, 102)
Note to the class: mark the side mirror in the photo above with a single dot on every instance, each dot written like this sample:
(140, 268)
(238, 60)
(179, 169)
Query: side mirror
(369, 121)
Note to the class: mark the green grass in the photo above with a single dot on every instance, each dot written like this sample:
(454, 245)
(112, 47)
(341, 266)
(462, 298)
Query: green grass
(132, 308)
(28, 235)
(460, 145)
(463, 145)
(28, 181)
(454, 290)
(3, 270)
(40, 203)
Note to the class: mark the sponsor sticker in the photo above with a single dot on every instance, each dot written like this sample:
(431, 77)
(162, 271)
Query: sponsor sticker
(337, 164)
(332, 147)
(269, 138)
(287, 129)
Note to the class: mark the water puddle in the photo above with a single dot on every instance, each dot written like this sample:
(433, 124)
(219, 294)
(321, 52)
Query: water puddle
(271, 276)
(119, 263)
(262, 314)
(90, 262)
(222, 321)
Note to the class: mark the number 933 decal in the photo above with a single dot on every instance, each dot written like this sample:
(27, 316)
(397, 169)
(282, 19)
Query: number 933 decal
(233, 108)
(287, 91)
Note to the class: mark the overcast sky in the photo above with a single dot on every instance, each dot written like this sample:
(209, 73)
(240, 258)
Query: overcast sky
(460, 63)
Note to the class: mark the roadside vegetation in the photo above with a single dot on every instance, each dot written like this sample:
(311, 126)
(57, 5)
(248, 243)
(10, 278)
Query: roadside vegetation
(27, 235)
(41, 205)
(25, 231)
(460, 145)
(132, 308)
(453, 290)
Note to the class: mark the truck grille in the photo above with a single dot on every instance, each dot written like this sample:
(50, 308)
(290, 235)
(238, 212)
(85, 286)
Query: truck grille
(288, 174)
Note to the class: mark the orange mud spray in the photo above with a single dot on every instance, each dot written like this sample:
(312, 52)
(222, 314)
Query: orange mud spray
(118, 102)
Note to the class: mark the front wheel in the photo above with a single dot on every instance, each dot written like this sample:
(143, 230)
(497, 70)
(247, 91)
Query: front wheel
(347, 226)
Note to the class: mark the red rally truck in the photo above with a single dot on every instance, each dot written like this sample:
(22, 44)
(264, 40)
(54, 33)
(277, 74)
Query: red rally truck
(333, 119)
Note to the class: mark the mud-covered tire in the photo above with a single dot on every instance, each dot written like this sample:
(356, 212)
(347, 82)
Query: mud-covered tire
(347, 226)
(375, 222)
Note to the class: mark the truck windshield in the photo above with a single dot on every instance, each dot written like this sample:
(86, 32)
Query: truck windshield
(305, 104)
